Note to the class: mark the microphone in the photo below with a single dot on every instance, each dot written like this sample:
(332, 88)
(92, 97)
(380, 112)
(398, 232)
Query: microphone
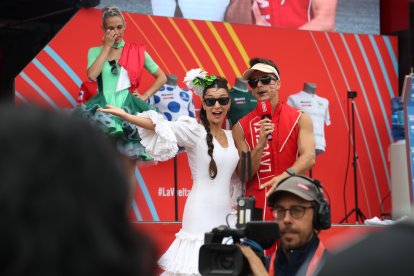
(264, 108)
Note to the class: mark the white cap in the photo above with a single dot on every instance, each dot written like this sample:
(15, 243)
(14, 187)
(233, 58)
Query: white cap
(262, 67)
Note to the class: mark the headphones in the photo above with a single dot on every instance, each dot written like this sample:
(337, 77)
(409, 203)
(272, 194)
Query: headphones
(322, 210)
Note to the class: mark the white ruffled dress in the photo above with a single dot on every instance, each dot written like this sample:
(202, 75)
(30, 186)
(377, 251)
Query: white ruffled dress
(209, 201)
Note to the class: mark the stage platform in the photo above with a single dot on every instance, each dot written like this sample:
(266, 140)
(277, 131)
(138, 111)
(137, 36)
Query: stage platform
(339, 235)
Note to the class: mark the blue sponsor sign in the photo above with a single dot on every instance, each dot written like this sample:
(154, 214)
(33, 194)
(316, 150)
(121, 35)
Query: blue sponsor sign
(408, 100)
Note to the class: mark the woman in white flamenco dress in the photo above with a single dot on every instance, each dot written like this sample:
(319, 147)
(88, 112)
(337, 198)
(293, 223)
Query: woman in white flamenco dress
(212, 157)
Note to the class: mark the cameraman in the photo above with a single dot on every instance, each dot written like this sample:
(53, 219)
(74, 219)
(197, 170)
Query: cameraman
(300, 209)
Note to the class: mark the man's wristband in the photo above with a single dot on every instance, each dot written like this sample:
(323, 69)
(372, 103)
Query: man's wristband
(290, 171)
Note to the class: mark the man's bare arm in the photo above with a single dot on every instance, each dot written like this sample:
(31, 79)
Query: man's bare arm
(306, 148)
(324, 12)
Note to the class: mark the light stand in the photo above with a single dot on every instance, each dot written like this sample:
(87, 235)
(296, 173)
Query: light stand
(358, 213)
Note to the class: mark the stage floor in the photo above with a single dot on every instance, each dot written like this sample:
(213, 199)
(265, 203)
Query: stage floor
(339, 235)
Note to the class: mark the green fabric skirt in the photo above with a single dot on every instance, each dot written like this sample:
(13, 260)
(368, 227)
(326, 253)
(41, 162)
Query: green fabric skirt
(125, 133)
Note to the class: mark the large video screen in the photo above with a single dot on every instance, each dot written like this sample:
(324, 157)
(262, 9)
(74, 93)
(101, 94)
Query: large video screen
(346, 16)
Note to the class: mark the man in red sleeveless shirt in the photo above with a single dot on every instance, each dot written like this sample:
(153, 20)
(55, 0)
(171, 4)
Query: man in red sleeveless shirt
(292, 148)
(301, 211)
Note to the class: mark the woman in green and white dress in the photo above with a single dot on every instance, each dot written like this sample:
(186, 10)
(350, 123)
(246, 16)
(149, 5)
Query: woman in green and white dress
(117, 67)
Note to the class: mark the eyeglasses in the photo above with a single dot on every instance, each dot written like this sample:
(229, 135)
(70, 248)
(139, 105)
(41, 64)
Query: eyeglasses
(265, 80)
(114, 69)
(295, 211)
(212, 101)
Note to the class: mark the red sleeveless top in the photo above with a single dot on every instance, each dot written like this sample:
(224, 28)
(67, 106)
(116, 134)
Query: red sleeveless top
(279, 154)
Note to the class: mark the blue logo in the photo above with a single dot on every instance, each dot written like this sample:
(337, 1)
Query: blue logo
(184, 96)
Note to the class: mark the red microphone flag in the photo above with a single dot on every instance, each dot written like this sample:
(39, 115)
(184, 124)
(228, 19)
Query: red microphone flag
(264, 109)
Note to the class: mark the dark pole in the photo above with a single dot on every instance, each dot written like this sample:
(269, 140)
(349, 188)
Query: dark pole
(354, 163)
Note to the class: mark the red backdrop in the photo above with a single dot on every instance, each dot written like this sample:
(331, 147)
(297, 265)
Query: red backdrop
(336, 62)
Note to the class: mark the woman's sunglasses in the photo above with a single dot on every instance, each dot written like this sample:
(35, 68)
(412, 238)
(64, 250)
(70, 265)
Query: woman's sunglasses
(212, 101)
(265, 80)
(114, 69)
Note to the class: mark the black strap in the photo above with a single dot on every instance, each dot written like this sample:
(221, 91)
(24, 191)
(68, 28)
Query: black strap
(249, 172)
(100, 84)
(246, 170)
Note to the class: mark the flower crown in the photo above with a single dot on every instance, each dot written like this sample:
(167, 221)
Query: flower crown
(197, 80)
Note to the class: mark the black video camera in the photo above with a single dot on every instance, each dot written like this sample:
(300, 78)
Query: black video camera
(216, 258)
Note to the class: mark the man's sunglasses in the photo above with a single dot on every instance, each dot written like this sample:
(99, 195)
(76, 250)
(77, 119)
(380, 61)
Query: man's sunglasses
(265, 80)
(221, 101)
(114, 69)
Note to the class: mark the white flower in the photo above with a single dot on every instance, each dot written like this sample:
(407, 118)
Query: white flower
(191, 76)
